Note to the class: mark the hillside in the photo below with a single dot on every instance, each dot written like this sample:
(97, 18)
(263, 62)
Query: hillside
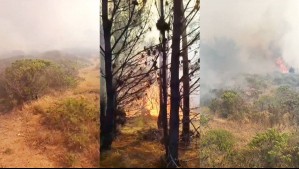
(30, 136)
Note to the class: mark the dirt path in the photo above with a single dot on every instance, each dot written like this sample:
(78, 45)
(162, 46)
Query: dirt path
(14, 150)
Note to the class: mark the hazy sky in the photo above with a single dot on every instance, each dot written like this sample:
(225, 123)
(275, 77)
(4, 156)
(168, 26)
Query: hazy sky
(246, 35)
(40, 25)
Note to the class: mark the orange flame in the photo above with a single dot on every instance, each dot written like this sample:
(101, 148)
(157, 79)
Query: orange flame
(152, 100)
(281, 65)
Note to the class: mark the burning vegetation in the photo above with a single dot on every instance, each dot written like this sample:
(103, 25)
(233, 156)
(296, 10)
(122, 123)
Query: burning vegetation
(281, 65)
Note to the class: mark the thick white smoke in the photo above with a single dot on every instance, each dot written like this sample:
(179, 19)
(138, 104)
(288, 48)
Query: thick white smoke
(39, 25)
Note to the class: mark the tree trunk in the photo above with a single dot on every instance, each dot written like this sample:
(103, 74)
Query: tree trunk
(175, 86)
(159, 121)
(107, 118)
(163, 92)
(103, 94)
(186, 85)
(164, 85)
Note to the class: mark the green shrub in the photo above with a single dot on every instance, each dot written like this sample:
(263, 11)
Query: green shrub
(270, 148)
(29, 79)
(216, 147)
(77, 118)
(263, 103)
(204, 120)
(215, 105)
(287, 99)
(223, 140)
(229, 105)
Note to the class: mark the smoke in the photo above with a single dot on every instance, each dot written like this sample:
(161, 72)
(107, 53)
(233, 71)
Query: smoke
(40, 25)
(240, 36)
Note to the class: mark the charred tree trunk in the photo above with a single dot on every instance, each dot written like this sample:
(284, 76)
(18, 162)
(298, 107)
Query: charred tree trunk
(175, 86)
(186, 85)
(107, 117)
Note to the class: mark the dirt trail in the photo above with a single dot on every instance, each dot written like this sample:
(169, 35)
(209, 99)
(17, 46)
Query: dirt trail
(14, 150)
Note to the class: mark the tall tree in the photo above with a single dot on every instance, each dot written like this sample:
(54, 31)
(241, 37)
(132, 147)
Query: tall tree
(107, 116)
(175, 85)
(190, 35)
(123, 26)
(186, 85)
(163, 27)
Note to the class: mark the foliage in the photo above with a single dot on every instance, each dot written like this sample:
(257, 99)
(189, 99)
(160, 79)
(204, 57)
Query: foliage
(270, 148)
(229, 105)
(216, 146)
(222, 139)
(72, 116)
(204, 120)
(278, 105)
(264, 102)
(29, 79)
(288, 99)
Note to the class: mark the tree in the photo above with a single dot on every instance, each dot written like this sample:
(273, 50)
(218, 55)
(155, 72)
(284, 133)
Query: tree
(175, 85)
(126, 72)
(186, 85)
(162, 26)
(189, 68)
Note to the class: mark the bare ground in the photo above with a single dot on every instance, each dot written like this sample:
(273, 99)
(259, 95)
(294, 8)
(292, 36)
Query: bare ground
(15, 151)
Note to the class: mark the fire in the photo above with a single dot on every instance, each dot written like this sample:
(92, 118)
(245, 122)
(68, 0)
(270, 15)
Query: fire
(152, 100)
(281, 65)
(154, 112)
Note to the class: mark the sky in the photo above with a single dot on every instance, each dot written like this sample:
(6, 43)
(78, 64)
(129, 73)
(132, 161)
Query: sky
(40, 25)
(246, 36)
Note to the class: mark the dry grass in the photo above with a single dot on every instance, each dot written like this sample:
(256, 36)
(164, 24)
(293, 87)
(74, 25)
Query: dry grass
(244, 130)
(91, 80)
(139, 145)
(129, 151)
(55, 141)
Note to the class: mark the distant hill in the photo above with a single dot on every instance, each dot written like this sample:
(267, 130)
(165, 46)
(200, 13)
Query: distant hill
(79, 58)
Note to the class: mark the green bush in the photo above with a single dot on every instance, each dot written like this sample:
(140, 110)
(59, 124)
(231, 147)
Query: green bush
(229, 105)
(223, 140)
(216, 147)
(215, 105)
(288, 99)
(77, 118)
(270, 148)
(263, 103)
(29, 79)
(204, 120)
